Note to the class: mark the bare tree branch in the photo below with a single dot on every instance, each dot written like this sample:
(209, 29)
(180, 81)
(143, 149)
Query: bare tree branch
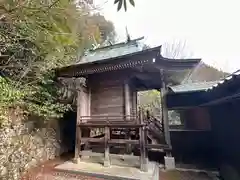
(177, 49)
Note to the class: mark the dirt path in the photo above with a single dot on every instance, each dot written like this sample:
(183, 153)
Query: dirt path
(46, 171)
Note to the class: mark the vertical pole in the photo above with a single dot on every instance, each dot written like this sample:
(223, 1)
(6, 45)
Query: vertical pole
(89, 101)
(78, 145)
(146, 143)
(134, 102)
(127, 112)
(127, 100)
(78, 129)
(169, 160)
(106, 145)
(143, 159)
(86, 133)
(164, 110)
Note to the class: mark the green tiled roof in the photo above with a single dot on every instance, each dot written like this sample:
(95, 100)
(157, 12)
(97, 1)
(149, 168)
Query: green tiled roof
(190, 87)
(113, 51)
(125, 51)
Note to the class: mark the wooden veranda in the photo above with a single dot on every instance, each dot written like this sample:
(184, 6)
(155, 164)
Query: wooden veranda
(108, 97)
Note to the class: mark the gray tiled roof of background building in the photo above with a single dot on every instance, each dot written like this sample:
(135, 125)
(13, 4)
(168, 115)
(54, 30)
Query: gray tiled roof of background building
(225, 80)
(190, 87)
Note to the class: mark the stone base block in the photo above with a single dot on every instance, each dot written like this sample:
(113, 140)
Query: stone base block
(86, 154)
(76, 160)
(106, 163)
(169, 163)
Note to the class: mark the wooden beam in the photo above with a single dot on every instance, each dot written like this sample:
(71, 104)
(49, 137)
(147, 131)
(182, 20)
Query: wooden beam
(93, 140)
(128, 138)
(165, 110)
(78, 129)
(106, 152)
(127, 105)
(89, 100)
(127, 99)
(107, 119)
(116, 125)
(85, 69)
(158, 146)
(116, 156)
(77, 145)
(146, 143)
(143, 160)
(134, 102)
(123, 141)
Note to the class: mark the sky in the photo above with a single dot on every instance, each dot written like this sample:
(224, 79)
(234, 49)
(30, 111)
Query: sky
(210, 27)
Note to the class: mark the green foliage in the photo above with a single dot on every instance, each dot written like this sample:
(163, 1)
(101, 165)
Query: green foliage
(9, 94)
(150, 100)
(123, 3)
(44, 100)
(36, 37)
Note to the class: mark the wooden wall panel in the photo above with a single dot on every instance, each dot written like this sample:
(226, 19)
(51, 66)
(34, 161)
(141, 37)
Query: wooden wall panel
(107, 93)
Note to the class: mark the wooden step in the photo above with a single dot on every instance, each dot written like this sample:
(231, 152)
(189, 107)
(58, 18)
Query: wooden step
(121, 125)
(96, 154)
(123, 141)
(158, 146)
(94, 140)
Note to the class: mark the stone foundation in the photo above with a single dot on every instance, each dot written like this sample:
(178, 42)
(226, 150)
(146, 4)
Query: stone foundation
(169, 163)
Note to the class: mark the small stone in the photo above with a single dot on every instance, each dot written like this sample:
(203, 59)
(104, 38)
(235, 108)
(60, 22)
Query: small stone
(3, 171)
(26, 166)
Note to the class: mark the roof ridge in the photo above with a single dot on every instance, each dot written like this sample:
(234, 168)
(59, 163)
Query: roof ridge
(118, 44)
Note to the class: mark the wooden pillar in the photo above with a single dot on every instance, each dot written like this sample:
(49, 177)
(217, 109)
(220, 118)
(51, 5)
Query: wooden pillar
(127, 105)
(78, 129)
(86, 133)
(89, 101)
(146, 143)
(165, 110)
(106, 145)
(134, 102)
(127, 100)
(142, 141)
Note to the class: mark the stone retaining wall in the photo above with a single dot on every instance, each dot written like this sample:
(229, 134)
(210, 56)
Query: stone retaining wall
(26, 144)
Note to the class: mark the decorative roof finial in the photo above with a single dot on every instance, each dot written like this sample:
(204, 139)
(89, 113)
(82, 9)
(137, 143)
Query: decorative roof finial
(128, 36)
(110, 42)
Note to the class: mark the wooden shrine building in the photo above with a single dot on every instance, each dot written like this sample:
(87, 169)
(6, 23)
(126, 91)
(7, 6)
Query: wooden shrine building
(108, 98)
